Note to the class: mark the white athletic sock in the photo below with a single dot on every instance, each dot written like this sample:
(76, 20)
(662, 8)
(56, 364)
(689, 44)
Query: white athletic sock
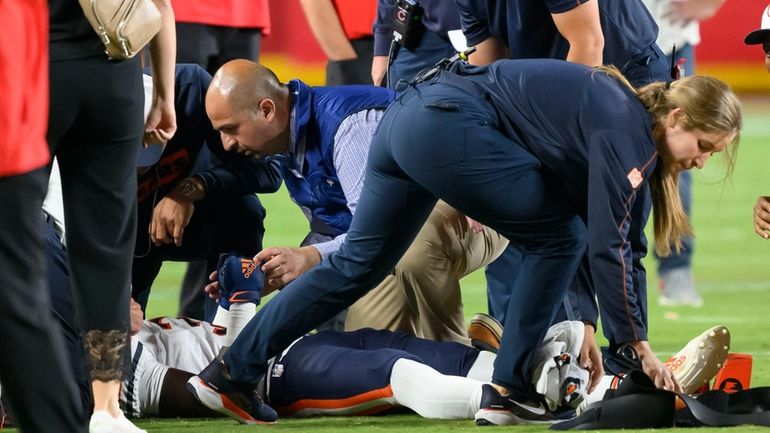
(483, 367)
(235, 319)
(240, 315)
(432, 394)
(221, 317)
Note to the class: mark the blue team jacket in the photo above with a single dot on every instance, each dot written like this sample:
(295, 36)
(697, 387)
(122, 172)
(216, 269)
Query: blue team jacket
(602, 157)
(318, 112)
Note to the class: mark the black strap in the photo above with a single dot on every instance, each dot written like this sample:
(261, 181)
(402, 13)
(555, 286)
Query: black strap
(720, 409)
(638, 404)
(620, 359)
(629, 411)
(442, 65)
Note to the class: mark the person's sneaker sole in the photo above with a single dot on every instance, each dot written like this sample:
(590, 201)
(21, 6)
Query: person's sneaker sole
(485, 332)
(499, 410)
(102, 422)
(700, 360)
(487, 417)
(218, 402)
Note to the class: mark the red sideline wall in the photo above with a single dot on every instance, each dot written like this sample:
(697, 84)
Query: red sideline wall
(722, 35)
(290, 33)
(722, 52)
(292, 50)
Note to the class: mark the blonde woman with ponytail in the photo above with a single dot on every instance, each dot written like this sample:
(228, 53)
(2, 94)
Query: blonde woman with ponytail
(563, 160)
(693, 118)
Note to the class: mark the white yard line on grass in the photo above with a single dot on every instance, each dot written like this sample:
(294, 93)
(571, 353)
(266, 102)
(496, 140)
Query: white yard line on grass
(733, 287)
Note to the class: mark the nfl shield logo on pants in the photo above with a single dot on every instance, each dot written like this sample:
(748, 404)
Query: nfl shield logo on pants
(277, 370)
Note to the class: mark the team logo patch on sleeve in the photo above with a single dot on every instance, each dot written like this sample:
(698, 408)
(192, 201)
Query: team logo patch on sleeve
(635, 177)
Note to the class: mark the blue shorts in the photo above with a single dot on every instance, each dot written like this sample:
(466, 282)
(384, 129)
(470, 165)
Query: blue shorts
(333, 373)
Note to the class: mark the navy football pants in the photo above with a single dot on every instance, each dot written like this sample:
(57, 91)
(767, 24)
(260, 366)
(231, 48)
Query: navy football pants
(435, 141)
(338, 366)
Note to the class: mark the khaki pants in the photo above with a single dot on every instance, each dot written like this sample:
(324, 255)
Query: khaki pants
(423, 297)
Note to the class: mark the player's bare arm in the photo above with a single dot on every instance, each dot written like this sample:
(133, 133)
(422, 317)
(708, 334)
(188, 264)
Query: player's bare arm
(581, 27)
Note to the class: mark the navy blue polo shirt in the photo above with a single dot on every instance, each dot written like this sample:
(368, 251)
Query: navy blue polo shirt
(439, 16)
(527, 29)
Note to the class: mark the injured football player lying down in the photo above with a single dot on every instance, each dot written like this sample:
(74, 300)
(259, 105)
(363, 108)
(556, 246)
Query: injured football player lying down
(369, 371)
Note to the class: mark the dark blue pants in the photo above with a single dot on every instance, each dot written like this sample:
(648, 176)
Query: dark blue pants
(427, 148)
(338, 365)
(229, 224)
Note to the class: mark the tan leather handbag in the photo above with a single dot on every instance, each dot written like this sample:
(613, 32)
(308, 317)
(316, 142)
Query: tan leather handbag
(124, 26)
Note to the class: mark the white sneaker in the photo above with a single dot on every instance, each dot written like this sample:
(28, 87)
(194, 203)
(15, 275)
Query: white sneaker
(700, 360)
(103, 422)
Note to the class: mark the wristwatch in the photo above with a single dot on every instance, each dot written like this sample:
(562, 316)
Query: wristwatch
(190, 189)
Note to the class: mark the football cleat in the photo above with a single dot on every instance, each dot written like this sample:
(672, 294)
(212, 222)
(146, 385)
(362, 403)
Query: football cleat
(485, 332)
(214, 389)
(700, 360)
(103, 422)
(496, 409)
(240, 280)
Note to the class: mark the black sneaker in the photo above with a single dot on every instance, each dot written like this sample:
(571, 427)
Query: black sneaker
(214, 389)
(498, 410)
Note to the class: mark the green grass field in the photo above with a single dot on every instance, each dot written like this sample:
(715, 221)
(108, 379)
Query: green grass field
(731, 267)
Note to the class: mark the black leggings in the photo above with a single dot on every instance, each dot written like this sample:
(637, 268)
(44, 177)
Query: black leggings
(95, 129)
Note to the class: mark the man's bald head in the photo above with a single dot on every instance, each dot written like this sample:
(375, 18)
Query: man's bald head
(250, 108)
(243, 84)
